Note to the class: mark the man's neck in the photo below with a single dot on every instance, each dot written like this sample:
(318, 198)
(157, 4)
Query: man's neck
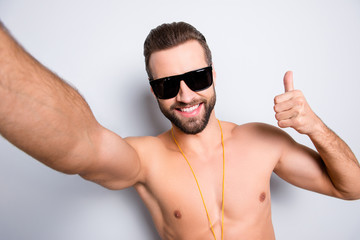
(200, 142)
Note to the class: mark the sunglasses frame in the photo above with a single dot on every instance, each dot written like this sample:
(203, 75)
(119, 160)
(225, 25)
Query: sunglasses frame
(186, 77)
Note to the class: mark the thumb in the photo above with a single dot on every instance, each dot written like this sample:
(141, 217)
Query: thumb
(288, 81)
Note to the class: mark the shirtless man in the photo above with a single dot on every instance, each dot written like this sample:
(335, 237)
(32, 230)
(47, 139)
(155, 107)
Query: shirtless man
(45, 117)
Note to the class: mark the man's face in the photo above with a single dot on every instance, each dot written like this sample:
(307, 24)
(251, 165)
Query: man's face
(188, 110)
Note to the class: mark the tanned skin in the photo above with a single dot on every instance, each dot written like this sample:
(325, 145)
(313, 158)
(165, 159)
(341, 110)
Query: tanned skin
(48, 119)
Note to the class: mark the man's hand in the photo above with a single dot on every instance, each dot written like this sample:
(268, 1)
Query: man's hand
(292, 109)
(335, 171)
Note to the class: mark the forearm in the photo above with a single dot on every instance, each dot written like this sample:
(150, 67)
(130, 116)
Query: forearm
(341, 164)
(40, 113)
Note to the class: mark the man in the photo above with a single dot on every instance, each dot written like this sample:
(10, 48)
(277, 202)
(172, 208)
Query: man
(202, 179)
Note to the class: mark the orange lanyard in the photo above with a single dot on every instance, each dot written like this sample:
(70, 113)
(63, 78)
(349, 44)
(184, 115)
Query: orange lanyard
(197, 183)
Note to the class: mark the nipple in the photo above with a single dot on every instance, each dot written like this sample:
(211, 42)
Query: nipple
(262, 197)
(177, 214)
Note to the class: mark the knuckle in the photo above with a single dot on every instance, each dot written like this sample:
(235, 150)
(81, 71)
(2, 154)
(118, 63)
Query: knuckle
(282, 124)
(300, 101)
(298, 92)
(276, 99)
(276, 108)
(277, 116)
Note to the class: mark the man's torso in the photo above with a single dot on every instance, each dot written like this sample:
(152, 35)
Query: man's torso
(170, 192)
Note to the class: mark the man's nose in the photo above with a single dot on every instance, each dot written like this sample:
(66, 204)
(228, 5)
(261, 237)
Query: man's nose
(185, 95)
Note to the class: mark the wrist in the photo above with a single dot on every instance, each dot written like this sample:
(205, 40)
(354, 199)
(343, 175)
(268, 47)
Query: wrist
(320, 130)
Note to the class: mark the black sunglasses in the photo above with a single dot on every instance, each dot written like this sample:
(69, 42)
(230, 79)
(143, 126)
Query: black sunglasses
(168, 87)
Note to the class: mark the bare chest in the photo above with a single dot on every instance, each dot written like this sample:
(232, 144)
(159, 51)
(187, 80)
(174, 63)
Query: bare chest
(177, 199)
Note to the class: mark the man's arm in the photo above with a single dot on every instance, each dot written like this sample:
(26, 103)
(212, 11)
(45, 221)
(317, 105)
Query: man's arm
(49, 120)
(335, 170)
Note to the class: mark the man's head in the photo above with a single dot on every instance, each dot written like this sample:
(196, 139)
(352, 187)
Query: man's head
(169, 35)
(172, 50)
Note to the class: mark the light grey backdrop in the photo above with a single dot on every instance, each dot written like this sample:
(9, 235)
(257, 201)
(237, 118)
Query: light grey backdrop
(97, 47)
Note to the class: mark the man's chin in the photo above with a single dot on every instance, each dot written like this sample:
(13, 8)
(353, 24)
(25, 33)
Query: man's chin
(190, 125)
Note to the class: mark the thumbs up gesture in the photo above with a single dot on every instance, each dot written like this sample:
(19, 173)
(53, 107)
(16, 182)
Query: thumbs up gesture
(292, 109)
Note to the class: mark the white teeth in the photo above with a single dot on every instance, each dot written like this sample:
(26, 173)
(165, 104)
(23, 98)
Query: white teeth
(189, 109)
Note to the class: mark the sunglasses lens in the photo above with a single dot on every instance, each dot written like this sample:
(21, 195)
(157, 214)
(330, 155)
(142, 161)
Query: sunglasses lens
(200, 79)
(165, 88)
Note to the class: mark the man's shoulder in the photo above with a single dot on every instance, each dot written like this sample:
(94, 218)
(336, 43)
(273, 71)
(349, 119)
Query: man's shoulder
(253, 127)
(147, 144)
(259, 131)
(141, 141)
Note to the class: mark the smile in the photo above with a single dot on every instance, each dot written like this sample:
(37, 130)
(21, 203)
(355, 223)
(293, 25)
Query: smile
(189, 109)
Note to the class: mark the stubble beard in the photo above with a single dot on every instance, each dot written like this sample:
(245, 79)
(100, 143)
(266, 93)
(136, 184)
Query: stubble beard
(191, 125)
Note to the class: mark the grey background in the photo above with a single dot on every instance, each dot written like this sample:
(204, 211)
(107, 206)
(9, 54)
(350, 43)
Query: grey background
(97, 47)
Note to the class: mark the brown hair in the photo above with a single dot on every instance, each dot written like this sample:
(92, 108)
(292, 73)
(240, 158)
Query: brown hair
(169, 35)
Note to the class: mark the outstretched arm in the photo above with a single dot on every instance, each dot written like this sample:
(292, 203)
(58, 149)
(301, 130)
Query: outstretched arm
(335, 170)
(49, 120)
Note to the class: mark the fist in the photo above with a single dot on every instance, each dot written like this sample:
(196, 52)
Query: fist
(292, 109)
